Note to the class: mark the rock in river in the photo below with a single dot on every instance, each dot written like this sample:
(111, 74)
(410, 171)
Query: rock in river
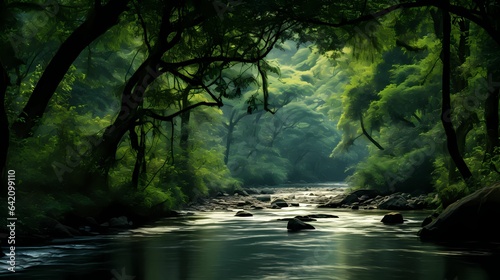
(243, 214)
(279, 202)
(395, 202)
(263, 197)
(119, 222)
(365, 194)
(241, 192)
(296, 225)
(340, 200)
(473, 218)
(302, 218)
(321, 216)
(392, 218)
(305, 218)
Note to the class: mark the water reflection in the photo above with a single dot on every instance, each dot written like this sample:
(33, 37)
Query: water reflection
(220, 246)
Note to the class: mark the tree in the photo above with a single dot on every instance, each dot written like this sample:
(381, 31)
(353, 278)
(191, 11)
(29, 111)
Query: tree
(99, 20)
(236, 115)
(479, 14)
(190, 42)
(446, 110)
(292, 143)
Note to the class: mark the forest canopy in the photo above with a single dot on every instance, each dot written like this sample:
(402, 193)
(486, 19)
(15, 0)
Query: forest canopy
(157, 103)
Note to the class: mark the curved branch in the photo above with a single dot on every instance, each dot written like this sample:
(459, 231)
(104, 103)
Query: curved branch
(169, 118)
(226, 59)
(265, 90)
(368, 135)
(191, 81)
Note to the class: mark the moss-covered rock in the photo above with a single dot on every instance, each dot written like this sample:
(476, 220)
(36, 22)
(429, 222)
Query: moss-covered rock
(474, 217)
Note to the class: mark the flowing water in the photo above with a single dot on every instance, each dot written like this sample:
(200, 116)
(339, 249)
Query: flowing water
(218, 245)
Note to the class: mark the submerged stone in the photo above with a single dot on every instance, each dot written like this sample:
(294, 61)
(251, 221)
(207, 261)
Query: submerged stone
(322, 216)
(296, 225)
(279, 202)
(243, 214)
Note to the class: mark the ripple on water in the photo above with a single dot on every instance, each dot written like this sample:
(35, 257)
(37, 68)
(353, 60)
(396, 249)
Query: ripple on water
(218, 245)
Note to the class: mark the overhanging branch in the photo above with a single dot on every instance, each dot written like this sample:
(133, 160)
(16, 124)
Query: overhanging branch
(477, 18)
(169, 118)
(368, 135)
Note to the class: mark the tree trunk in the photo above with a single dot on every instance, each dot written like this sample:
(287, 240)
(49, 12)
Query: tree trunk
(184, 139)
(138, 144)
(491, 102)
(4, 121)
(229, 137)
(230, 130)
(97, 23)
(102, 156)
(492, 122)
(460, 83)
(462, 130)
(451, 137)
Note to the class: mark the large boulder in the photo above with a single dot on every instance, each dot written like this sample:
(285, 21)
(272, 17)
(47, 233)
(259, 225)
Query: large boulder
(474, 217)
(242, 203)
(267, 191)
(119, 222)
(263, 197)
(240, 192)
(366, 194)
(279, 202)
(392, 218)
(56, 229)
(350, 198)
(252, 191)
(394, 202)
(89, 221)
(221, 194)
(429, 219)
(296, 225)
(417, 203)
(62, 231)
(340, 200)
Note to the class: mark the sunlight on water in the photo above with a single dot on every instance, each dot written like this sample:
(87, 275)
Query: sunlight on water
(153, 230)
(218, 245)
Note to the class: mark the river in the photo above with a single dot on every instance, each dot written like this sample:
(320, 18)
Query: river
(218, 245)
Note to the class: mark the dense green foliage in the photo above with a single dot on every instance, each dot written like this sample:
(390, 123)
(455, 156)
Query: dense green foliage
(396, 97)
(148, 105)
(293, 144)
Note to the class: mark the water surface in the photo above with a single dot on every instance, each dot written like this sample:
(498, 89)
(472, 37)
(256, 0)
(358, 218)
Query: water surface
(218, 245)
